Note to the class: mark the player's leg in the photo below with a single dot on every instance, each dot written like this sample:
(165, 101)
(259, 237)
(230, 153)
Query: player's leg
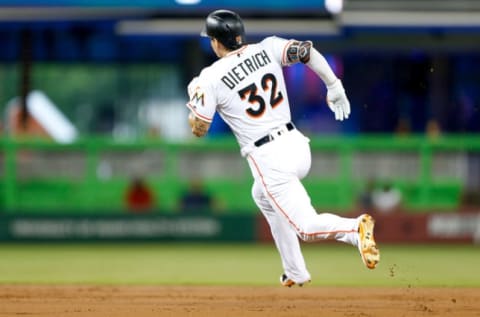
(278, 169)
(309, 225)
(285, 238)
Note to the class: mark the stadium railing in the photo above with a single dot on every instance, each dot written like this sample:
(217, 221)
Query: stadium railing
(92, 174)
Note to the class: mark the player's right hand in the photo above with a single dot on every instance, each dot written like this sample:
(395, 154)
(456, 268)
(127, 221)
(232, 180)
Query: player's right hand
(337, 100)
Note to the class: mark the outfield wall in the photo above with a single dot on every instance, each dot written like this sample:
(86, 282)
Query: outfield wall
(399, 228)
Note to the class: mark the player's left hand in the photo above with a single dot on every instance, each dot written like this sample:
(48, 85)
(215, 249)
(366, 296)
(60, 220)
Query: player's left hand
(337, 100)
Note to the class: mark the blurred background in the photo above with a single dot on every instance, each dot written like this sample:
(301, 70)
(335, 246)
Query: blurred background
(95, 143)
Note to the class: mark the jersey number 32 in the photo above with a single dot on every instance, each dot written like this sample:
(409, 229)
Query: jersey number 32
(269, 83)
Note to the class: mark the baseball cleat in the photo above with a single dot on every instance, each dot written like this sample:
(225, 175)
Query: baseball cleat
(285, 281)
(366, 242)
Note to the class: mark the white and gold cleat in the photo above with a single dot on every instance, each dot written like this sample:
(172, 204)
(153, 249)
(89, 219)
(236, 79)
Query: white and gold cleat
(366, 242)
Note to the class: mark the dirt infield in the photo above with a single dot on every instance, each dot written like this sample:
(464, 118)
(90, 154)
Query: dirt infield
(212, 301)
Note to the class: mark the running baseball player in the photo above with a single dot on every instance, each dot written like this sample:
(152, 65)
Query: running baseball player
(247, 88)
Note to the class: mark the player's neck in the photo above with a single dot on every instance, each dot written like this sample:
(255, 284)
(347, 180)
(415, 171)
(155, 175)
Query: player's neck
(222, 52)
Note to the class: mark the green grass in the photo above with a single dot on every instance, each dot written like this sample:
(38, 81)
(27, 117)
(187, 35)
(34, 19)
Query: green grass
(331, 264)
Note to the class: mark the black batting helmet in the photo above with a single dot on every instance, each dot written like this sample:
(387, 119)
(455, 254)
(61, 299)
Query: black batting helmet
(225, 26)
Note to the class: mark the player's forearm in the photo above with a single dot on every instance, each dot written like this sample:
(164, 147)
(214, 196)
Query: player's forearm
(320, 66)
(199, 126)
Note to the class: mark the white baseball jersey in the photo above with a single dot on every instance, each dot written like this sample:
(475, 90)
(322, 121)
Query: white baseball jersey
(246, 88)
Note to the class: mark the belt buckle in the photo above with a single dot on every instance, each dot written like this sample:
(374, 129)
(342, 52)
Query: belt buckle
(273, 134)
(278, 131)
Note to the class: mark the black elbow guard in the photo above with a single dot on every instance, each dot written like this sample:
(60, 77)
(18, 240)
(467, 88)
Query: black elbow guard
(299, 52)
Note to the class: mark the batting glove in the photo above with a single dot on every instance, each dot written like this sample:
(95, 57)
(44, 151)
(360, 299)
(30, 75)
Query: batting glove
(337, 100)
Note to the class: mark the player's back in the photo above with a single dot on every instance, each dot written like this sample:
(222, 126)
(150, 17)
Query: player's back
(250, 89)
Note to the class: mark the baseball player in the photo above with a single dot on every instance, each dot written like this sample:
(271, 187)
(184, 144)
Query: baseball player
(247, 88)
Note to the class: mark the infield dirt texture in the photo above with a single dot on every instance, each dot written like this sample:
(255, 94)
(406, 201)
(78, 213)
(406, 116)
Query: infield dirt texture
(213, 301)
(234, 280)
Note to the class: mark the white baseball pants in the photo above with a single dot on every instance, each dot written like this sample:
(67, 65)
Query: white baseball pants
(277, 168)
